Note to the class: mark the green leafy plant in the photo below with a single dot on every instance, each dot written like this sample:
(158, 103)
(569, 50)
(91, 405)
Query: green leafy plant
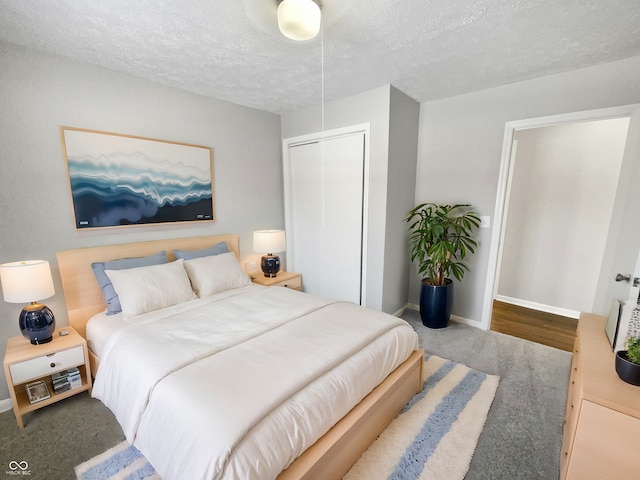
(633, 349)
(440, 237)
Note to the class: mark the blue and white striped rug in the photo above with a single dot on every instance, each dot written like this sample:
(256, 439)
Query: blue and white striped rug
(433, 438)
(436, 433)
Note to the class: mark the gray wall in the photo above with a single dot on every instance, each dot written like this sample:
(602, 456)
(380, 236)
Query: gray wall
(41, 92)
(401, 182)
(461, 139)
(393, 121)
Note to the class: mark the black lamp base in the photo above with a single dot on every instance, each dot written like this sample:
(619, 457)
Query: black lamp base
(37, 323)
(270, 265)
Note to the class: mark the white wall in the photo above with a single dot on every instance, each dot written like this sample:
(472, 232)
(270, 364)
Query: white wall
(42, 92)
(460, 147)
(563, 189)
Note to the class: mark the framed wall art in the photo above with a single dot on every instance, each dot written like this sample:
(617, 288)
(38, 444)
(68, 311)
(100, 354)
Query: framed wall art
(121, 180)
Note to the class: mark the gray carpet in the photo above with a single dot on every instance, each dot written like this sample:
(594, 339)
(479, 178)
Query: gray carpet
(521, 439)
(523, 433)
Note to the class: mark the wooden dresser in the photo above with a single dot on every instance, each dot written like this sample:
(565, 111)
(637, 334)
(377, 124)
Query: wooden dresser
(601, 437)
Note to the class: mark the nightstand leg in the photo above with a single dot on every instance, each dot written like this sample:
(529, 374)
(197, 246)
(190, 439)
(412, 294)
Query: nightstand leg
(18, 419)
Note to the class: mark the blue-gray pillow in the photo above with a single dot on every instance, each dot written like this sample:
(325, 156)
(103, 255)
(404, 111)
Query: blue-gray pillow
(109, 293)
(217, 249)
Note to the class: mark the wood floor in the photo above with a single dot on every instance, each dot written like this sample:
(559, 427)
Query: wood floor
(541, 327)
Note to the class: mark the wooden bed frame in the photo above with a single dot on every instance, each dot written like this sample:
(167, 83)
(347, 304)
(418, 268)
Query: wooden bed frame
(333, 454)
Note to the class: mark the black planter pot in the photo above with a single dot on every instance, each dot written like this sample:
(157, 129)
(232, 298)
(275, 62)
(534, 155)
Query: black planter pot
(435, 303)
(627, 370)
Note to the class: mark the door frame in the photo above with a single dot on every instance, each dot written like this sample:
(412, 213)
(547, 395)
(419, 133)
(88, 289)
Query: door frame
(287, 143)
(504, 184)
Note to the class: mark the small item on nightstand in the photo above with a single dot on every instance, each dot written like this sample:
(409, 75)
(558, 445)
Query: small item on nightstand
(37, 391)
(66, 380)
(64, 332)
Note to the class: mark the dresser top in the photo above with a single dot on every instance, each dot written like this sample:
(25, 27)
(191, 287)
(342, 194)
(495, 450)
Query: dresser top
(600, 382)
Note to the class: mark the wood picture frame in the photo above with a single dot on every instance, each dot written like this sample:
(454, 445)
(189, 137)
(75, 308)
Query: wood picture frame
(118, 180)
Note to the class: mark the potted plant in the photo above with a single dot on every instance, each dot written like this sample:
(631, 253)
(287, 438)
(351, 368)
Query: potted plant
(440, 237)
(628, 361)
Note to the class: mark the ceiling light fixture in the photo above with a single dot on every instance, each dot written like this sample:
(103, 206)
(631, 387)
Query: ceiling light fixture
(299, 19)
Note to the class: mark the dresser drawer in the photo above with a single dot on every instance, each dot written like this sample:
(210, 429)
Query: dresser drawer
(46, 365)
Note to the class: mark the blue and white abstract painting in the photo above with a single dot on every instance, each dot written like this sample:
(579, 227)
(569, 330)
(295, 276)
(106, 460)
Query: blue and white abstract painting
(122, 180)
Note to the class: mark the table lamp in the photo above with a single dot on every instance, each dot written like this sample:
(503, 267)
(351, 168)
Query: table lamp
(30, 281)
(269, 242)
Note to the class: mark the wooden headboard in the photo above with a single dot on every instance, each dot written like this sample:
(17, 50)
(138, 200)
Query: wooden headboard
(82, 293)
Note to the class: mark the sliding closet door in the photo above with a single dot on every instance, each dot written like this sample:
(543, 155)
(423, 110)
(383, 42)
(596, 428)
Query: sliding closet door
(326, 205)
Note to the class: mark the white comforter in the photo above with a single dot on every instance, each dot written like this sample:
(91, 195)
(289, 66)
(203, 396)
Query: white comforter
(240, 384)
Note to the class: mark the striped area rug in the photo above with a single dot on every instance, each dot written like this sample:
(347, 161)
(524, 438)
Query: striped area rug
(433, 438)
(122, 462)
(436, 433)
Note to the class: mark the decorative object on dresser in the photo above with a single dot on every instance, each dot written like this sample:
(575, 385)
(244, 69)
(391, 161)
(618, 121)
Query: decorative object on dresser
(612, 327)
(25, 365)
(602, 417)
(269, 242)
(30, 281)
(440, 236)
(282, 279)
(628, 361)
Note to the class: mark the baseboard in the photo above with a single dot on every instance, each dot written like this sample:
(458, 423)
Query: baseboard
(412, 306)
(466, 321)
(5, 405)
(399, 312)
(539, 306)
(453, 318)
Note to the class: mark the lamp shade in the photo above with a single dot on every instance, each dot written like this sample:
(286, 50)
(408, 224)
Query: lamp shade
(30, 281)
(269, 241)
(299, 19)
(26, 281)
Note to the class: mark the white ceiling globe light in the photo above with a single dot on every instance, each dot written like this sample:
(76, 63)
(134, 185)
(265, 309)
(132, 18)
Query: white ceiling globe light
(299, 19)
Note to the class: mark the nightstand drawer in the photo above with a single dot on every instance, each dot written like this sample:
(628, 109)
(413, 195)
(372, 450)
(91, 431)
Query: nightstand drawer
(293, 283)
(46, 365)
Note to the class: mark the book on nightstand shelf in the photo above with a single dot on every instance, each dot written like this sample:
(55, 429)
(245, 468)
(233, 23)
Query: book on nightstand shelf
(37, 391)
(66, 380)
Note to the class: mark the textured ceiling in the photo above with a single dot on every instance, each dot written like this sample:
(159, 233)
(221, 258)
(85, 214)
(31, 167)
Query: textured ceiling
(232, 50)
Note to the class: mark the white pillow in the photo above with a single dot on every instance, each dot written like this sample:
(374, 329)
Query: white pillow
(215, 274)
(145, 289)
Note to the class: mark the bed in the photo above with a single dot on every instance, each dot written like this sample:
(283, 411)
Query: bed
(266, 431)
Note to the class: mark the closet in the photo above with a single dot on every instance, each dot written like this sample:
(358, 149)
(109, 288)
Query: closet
(325, 212)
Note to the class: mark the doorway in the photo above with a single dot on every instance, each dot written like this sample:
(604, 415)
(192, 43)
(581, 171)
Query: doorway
(556, 299)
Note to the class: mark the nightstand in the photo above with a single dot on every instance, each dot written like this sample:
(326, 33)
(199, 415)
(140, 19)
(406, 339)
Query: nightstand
(282, 279)
(25, 363)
